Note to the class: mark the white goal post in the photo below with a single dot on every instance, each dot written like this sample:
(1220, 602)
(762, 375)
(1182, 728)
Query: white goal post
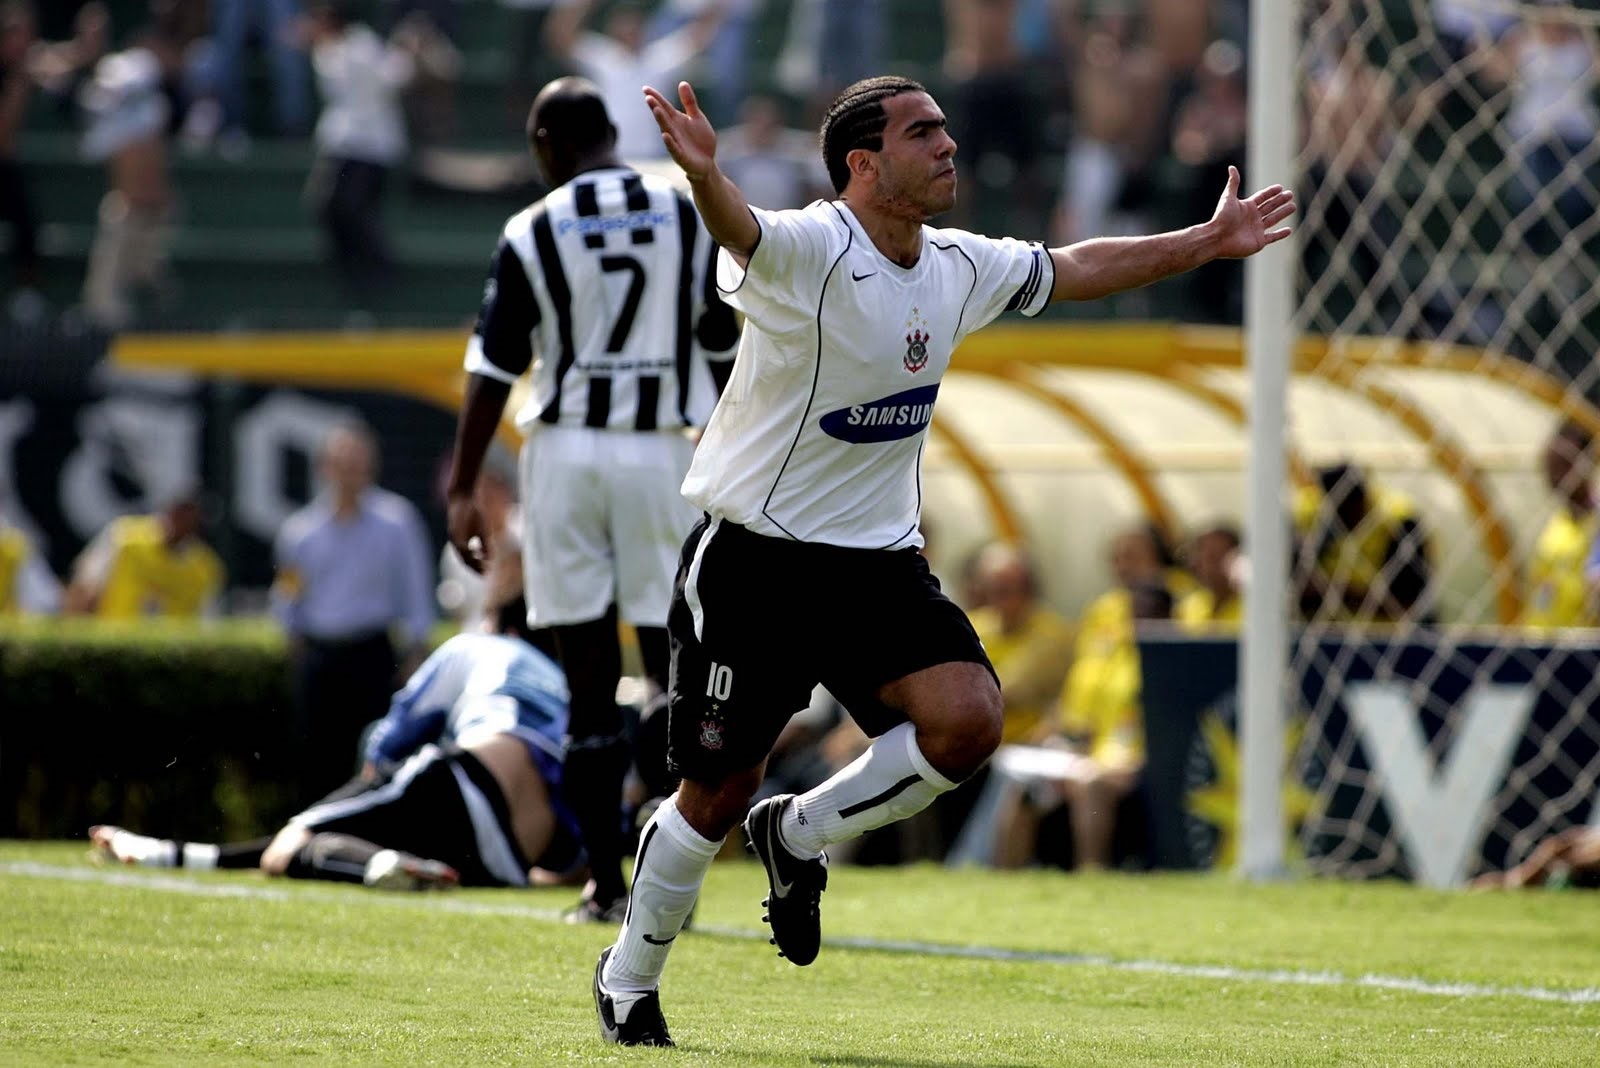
(1446, 158)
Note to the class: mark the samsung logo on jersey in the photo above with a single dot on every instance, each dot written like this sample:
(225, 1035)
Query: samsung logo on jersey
(890, 419)
(601, 224)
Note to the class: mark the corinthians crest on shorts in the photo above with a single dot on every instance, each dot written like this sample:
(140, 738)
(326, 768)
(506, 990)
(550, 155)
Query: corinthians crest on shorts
(916, 341)
(710, 734)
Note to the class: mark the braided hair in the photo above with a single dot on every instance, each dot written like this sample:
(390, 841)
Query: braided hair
(856, 119)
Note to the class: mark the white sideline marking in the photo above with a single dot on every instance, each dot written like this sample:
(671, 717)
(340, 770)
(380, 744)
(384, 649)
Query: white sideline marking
(1275, 976)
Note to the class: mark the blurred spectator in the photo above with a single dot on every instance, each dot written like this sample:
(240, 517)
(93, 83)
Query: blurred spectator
(1207, 136)
(1558, 594)
(27, 586)
(431, 98)
(127, 111)
(352, 565)
(17, 30)
(1179, 31)
(851, 43)
(274, 24)
(620, 62)
(995, 117)
(1568, 858)
(61, 67)
(1464, 26)
(774, 166)
(727, 55)
(1099, 722)
(828, 45)
(1353, 111)
(443, 16)
(1549, 62)
(360, 136)
(148, 565)
(1362, 553)
(1215, 603)
(1117, 133)
(1028, 643)
(531, 64)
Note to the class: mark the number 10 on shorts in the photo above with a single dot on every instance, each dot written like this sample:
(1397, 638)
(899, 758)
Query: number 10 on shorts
(719, 681)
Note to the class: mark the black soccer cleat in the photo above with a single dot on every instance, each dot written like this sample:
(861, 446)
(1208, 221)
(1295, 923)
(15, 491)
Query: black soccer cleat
(643, 1024)
(794, 900)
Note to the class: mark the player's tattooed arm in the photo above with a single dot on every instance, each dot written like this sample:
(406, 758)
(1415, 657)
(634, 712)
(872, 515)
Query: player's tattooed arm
(692, 143)
(1100, 267)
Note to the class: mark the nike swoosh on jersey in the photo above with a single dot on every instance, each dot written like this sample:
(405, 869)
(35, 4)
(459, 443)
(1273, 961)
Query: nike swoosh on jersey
(660, 941)
(859, 277)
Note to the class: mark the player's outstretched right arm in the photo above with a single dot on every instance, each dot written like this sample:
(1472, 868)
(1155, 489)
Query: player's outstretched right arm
(693, 144)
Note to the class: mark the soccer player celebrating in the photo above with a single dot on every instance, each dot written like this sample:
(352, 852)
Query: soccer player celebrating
(805, 567)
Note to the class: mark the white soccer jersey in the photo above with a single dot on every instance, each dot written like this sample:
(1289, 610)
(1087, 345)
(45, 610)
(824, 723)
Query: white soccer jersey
(820, 430)
(609, 280)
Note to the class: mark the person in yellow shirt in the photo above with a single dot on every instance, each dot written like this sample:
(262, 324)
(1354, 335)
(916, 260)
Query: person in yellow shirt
(1362, 553)
(26, 585)
(1558, 595)
(1100, 717)
(1028, 643)
(1214, 604)
(148, 565)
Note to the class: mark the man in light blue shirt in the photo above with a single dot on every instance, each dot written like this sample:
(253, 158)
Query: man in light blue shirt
(355, 572)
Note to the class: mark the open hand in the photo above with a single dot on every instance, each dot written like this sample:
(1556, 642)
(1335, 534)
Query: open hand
(687, 134)
(1245, 227)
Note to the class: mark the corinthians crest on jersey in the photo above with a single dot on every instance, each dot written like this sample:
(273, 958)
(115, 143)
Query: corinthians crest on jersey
(917, 341)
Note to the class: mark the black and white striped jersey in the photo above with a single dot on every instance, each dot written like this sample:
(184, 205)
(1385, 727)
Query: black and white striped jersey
(606, 288)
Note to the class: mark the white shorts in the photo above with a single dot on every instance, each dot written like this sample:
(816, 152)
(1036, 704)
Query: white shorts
(603, 521)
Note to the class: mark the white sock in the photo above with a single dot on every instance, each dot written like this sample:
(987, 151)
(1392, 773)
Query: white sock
(672, 863)
(890, 781)
(200, 856)
(143, 850)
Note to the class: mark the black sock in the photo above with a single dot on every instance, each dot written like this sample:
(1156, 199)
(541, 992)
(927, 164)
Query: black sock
(593, 774)
(332, 856)
(242, 854)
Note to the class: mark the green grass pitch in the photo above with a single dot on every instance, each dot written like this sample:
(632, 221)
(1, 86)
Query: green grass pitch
(103, 965)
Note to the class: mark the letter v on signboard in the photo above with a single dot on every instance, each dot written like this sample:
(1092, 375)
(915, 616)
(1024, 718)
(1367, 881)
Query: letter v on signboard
(1438, 811)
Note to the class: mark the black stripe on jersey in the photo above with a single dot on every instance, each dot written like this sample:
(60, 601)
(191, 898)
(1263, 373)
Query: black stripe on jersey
(599, 402)
(509, 314)
(816, 370)
(555, 281)
(1030, 288)
(688, 231)
(638, 200)
(649, 400)
(587, 204)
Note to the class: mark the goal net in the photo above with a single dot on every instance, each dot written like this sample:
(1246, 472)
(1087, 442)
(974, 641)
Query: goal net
(1444, 679)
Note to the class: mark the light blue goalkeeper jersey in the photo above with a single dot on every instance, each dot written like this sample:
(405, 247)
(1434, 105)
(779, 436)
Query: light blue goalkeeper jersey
(474, 686)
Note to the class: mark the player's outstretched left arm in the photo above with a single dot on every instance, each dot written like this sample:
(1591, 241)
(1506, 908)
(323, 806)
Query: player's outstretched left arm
(1102, 266)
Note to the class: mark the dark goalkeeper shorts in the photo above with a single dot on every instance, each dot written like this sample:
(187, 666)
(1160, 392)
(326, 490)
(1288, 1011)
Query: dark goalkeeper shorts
(757, 622)
(441, 804)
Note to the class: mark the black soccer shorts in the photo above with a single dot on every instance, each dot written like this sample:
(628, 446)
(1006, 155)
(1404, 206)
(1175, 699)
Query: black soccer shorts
(757, 622)
(423, 809)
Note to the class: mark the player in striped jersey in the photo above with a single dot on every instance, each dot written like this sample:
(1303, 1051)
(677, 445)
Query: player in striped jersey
(463, 784)
(607, 281)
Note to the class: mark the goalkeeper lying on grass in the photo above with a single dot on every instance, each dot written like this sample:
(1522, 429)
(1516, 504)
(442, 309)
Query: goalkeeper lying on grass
(462, 784)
